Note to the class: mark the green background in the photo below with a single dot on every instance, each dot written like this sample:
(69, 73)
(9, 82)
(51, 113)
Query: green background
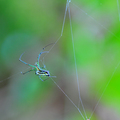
(28, 26)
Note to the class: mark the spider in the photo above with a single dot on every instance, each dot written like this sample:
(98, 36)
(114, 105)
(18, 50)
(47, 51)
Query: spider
(39, 71)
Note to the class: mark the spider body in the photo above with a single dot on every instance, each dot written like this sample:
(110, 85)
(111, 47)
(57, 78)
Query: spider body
(42, 72)
(39, 71)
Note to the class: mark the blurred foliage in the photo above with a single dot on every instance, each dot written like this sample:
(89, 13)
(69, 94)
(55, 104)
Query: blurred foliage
(28, 26)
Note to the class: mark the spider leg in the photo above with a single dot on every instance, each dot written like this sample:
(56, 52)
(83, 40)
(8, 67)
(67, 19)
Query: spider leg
(46, 79)
(41, 54)
(27, 71)
(25, 62)
(40, 78)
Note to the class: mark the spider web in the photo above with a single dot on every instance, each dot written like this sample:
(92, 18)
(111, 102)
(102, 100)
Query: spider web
(81, 109)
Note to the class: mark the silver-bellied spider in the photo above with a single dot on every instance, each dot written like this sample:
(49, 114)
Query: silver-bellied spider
(40, 71)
